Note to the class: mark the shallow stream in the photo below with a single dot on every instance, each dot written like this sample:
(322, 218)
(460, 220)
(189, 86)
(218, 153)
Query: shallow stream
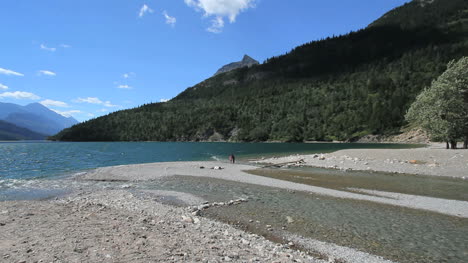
(432, 186)
(396, 233)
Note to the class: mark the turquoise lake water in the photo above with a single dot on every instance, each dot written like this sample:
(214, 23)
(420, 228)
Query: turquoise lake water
(33, 160)
(32, 170)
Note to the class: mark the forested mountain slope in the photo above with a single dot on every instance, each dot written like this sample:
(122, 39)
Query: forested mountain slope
(11, 132)
(334, 89)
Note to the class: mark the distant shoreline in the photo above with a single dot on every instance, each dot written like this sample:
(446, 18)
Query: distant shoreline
(304, 142)
(432, 160)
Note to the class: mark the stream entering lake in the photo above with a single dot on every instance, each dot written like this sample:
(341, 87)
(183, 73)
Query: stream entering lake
(396, 233)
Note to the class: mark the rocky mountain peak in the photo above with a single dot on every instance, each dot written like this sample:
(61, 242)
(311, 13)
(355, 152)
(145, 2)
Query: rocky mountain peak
(246, 61)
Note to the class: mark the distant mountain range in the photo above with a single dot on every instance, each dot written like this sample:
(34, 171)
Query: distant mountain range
(338, 88)
(245, 62)
(11, 132)
(39, 121)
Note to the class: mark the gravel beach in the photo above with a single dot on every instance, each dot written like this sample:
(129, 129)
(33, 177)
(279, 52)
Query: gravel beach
(116, 226)
(236, 172)
(130, 225)
(433, 160)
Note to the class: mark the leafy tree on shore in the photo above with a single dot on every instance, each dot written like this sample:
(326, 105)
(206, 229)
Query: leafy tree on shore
(442, 109)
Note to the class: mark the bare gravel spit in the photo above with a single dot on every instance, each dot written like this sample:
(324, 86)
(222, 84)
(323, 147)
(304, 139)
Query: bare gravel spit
(116, 226)
(125, 226)
(153, 171)
(130, 226)
(433, 161)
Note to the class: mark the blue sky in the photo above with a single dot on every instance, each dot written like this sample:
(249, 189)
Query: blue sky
(86, 58)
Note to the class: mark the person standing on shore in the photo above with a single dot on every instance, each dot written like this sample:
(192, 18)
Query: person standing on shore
(232, 158)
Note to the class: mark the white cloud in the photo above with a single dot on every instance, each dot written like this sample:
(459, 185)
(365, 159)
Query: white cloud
(54, 103)
(46, 73)
(128, 75)
(124, 87)
(164, 100)
(65, 46)
(169, 19)
(91, 100)
(3, 87)
(44, 47)
(220, 9)
(94, 100)
(67, 113)
(145, 9)
(19, 95)
(217, 25)
(103, 110)
(109, 104)
(10, 72)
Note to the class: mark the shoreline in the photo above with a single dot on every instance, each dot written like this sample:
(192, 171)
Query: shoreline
(127, 224)
(149, 225)
(433, 160)
(237, 173)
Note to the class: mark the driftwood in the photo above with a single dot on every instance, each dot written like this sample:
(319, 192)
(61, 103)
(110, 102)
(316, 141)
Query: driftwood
(279, 165)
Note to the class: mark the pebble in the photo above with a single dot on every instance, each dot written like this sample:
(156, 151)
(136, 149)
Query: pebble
(187, 219)
(204, 206)
(196, 213)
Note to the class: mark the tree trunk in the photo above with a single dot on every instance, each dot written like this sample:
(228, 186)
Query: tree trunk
(447, 146)
(465, 144)
(453, 144)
